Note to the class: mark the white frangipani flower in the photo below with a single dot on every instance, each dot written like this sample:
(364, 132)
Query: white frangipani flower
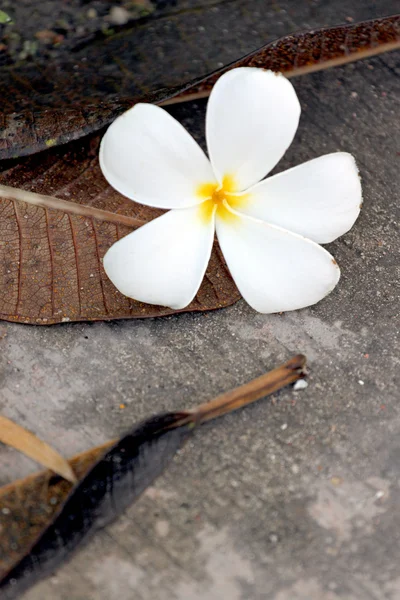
(268, 229)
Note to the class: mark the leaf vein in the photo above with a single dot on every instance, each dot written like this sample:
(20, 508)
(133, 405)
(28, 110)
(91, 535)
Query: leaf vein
(18, 220)
(96, 243)
(51, 252)
(78, 278)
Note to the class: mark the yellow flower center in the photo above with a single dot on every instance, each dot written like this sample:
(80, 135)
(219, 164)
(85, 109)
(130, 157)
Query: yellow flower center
(220, 198)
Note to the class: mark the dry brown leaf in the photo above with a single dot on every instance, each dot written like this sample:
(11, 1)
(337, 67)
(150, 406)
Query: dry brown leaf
(51, 249)
(26, 442)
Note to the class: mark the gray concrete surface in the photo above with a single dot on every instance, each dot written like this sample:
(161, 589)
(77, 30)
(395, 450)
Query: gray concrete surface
(294, 498)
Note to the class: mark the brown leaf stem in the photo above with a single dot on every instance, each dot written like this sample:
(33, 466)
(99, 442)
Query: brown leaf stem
(67, 206)
(250, 392)
(225, 403)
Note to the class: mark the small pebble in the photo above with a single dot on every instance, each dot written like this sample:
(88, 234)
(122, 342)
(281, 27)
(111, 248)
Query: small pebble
(284, 426)
(162, 528)
(48, 36)
(301, 384)
(118, 15)
(336, 481)
(360, 381)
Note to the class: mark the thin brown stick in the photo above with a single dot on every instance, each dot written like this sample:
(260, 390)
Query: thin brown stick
(51, 202)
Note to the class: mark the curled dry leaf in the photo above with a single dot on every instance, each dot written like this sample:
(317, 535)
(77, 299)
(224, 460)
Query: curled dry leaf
(26, 442)
(47, 104)
(312, 51)
(43, 519)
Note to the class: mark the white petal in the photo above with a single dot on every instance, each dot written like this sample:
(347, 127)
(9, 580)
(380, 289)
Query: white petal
(149, 157)
(319, 199)
(252, 117)
(164, 261)
(275, 270)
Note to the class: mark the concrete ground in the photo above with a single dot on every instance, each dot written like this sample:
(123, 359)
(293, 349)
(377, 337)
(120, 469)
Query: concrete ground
(294, 498)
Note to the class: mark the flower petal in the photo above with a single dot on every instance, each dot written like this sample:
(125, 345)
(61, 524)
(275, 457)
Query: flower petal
(252, 117)
(319, 199)
(275, 270)
(164, 261)
(149, 157)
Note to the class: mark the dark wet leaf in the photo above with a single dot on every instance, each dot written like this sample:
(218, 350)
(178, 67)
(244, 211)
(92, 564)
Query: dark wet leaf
(29, 505)
(46, 104)
(108, 489)
(43, 519)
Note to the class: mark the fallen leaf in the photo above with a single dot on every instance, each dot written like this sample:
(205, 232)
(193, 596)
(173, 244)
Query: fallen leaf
(43, 519)
(26, 442)
(47, 104)
(312, 51)
(29, 505)
(51, 251)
